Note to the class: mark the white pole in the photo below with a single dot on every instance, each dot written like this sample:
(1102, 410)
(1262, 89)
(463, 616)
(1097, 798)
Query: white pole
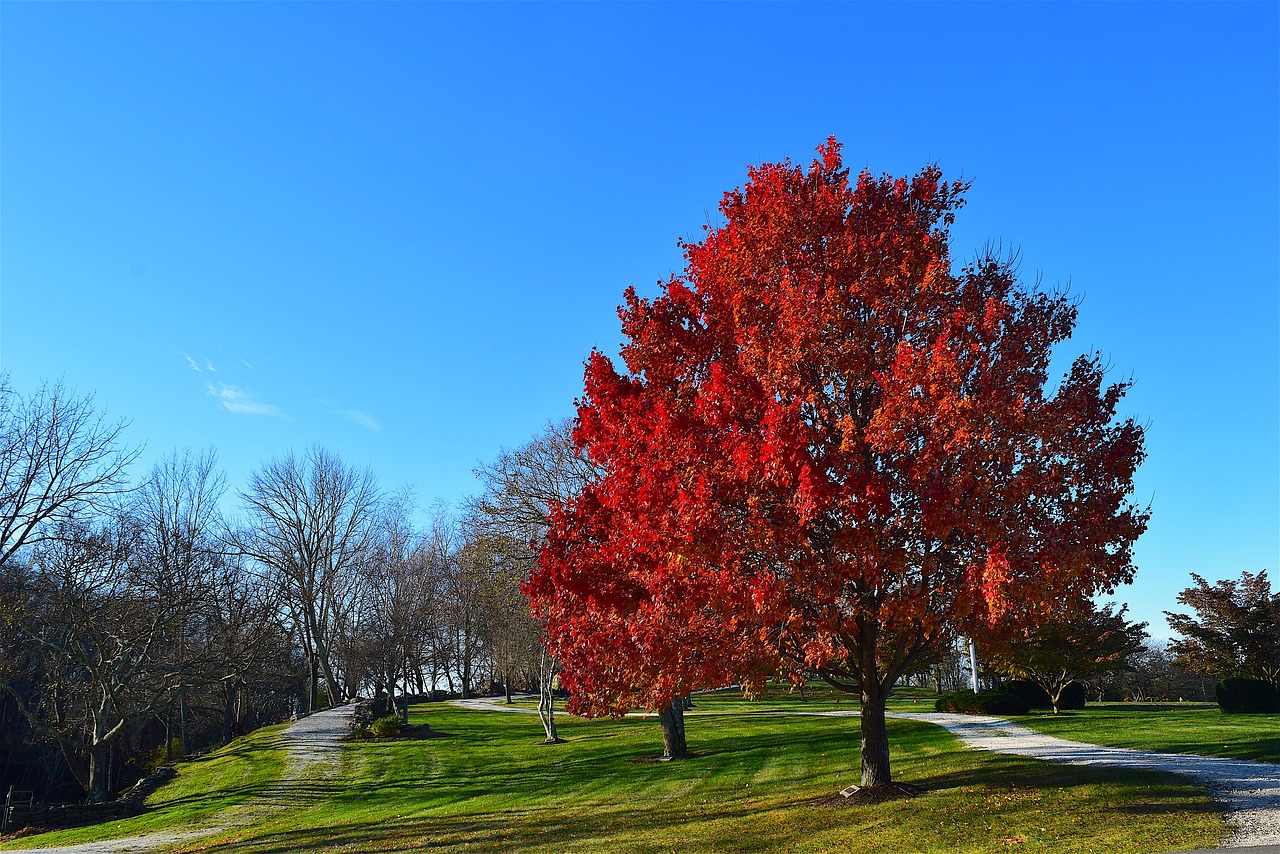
(973, 664)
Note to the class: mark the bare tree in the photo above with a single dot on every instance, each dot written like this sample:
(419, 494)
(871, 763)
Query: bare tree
(309, 521)
(399, 598)
(97, 626)
(176, 509)
(57, 457)
(520, 488)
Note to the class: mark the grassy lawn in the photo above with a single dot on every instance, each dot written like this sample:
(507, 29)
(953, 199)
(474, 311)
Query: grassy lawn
(242, 771)
(486, 784)
(1171, 727)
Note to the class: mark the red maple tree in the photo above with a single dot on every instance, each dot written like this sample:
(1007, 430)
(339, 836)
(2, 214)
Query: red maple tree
(833, 449)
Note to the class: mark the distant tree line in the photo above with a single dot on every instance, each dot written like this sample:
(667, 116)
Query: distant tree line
(141, 620)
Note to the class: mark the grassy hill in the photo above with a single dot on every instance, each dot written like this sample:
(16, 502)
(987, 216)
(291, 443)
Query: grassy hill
(484, 783)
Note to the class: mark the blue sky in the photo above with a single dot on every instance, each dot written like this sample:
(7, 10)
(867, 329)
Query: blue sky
(398, 229)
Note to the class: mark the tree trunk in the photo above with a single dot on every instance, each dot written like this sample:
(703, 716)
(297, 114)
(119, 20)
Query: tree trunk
(506, 686)
(875, 739)
(98, 762)
(229, 710)
(673, 741)
(547, 698)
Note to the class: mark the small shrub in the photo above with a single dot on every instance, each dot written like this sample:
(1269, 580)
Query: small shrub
(1036, 697)
(1072, 697)
(1247, 697)
(385, 727)
(982, 703)
(156, 756)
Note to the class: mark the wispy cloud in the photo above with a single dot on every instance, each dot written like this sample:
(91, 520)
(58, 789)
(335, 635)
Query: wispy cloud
(246, 364)
(208, 366)
(240, 401)
(361, 419)
(192, 363)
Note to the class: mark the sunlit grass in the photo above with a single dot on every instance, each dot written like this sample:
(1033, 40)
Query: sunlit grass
(204, 789)
(485, 783)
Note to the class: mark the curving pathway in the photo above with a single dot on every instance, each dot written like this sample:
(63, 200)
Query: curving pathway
(314, 749)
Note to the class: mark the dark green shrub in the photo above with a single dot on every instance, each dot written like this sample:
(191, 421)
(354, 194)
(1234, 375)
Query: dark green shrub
(385, 727)
(1247, 697)
(1072, 697)
(1036, 697)
(982, 703)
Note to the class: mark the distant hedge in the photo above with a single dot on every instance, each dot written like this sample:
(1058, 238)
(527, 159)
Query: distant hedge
(1071, 698)
(1247, 697)
(982, 703)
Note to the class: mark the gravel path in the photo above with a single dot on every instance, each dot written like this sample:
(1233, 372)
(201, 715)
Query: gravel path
(314, 749)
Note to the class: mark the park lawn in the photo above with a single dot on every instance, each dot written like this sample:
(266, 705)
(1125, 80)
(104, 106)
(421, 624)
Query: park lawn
(1199, 728)
(243, 770)
(485, 783)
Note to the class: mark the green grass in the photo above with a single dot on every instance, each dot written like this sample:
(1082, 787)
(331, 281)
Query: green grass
(486, 784)
(1170, 727)
(242, 771)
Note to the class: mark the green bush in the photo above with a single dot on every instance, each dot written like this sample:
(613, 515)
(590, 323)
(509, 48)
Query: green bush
(1036, 697)
(156, 756)
(1072, 696)
(982, 703)
(385, 727)
(1247, 697)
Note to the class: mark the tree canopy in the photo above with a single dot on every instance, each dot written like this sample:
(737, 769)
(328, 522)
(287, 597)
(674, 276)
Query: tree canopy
(830, 448)
(1235, 630)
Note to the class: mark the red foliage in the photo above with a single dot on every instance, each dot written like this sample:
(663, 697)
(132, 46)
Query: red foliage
(830, 447)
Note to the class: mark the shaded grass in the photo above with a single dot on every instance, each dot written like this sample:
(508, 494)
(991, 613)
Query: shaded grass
(243, 771)
(488, 785)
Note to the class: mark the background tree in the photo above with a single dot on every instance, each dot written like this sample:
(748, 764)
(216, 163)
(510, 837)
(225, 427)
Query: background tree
(1235, 630)
(97, 625)
(1071, 646)
(520, 488)
(309, 520)
(58, 456)
(176, 509)
(829, 444)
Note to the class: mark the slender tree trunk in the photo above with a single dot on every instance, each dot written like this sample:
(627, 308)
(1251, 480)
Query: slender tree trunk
(182, 722)
(168, 733)
(547, 697)
(875, 739)
(506, 686)
(229, 710)
(673, 740)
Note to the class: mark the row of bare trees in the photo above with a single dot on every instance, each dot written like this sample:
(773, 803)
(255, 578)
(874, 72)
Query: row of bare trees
(144, 618)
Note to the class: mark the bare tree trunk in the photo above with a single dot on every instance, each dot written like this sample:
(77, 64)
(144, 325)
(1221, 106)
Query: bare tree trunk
(673, 740)
(229, 709)
(547, 698)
